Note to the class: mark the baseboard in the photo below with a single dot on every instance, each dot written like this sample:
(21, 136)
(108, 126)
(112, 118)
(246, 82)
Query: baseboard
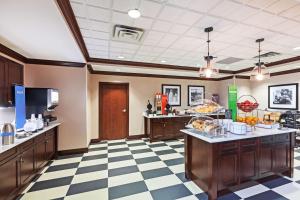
(95, 141)
(135, 137)
(72, 151)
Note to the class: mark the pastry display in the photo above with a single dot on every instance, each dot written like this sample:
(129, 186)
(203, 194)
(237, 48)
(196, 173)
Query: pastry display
(207, 107)
(204, 125)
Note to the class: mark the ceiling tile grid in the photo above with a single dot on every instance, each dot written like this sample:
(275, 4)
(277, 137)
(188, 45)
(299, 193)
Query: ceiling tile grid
(174, 29)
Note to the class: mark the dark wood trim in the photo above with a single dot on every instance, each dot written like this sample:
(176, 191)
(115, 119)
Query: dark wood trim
(72, 151)
(100, 107)
(55, 62)
(136, 137)
(291, 71)
(284, 61)
(70, 18)
(150, 65)
(94, 141)
(90, 68)
(11, 53)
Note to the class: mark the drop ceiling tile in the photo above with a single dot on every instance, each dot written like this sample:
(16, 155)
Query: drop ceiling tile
(196, 32)
(180, 3)
(167, 40)
(125, 5)
(223, 25)
(264, 20)
(144, 23)
(241, 29)
(286, 26)
(292, 12)
(98, 13)
(79, 9)
(83, 23)
(207, 21)
(125, 45)
(179, 29)
(226, 8)
(99, 26)
(96, 41)
(121, 18)
(198, 5)
(154, 35)
(96, 47)
(260, 3)
(170, 13)
(95, 34)
(77, 1)
(188, 18)
(281, 6)
(160, 25)
(241, 12)
(100, 3)
(149, 8)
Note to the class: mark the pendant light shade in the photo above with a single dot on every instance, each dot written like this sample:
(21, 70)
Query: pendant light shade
(260, 71)
(208, 70)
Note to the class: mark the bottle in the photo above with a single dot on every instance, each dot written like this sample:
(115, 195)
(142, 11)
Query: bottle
(40, 122)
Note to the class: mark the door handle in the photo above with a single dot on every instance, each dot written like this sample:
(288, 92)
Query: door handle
(124, 110)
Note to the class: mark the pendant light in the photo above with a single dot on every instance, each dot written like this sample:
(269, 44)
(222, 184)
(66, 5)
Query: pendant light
(208, 70)
(260, 71)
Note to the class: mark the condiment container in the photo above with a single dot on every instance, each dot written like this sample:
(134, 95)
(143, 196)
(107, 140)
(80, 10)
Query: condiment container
(8, 134)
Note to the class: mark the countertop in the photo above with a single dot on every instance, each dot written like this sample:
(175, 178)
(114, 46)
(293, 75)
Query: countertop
(258, 132)
(20, 141)
(173, 116)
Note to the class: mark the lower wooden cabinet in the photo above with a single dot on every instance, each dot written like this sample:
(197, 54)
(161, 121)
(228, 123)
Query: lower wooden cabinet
(18, 166)
(228, 168)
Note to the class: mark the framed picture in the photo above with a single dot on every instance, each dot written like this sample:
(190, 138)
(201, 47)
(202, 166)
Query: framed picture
(283, 96)
(174, 94)
(196, 94)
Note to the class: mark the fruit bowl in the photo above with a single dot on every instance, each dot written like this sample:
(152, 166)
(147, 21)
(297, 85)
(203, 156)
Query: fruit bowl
(247, 105)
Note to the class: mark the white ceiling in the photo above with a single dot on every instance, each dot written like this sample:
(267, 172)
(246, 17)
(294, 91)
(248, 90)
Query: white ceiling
(174, 29)
(37, 29)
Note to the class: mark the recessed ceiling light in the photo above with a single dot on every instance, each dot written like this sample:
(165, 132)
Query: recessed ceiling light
(163, 61)
(121, 57)
(134, 13)
(296, 48)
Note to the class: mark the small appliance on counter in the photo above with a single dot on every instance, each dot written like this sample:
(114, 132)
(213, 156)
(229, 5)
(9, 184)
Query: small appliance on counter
(8, 134)
(41, 101)
(290, 119)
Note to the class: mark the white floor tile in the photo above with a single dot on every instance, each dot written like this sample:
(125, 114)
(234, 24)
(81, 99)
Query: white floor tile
(52, 193)
(124, 179)
(288, 189)
(93, 162)
(140, 196)
(139, 147)
(193, 187)
(152, 165)
(117, 146)
(93, 153)
(66, 161)
(124, 163)
(161, 148)
(90, 176)
(143, 155)
(116, 154)
(170, 156)
(163, 181)
(96, 194)
(177, 168)
(57, 174)
(252, 191)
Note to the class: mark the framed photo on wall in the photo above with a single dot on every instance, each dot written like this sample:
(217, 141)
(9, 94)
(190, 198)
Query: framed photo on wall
(173, 93)
(283, 96)
(196, 94)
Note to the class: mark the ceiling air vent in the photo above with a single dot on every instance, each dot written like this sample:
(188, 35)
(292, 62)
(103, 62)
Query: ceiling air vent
(229, 60)
(127, 33)
(268, 54)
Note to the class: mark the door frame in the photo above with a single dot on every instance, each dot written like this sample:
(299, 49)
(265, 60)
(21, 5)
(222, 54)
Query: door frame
(101, 84)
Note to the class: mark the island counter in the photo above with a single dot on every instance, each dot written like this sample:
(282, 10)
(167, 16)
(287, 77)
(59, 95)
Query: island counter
(215, 164)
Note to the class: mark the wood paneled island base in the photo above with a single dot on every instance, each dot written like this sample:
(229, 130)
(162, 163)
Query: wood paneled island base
(217, 166)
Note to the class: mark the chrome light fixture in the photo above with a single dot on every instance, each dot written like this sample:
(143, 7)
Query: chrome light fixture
(208, 70)
(260, 71)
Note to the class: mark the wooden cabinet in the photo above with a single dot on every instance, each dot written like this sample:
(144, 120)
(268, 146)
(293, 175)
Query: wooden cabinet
(248, 160)
(165, 128)
(10, 73)
(265, 155)
(19, 165)
(281, 157)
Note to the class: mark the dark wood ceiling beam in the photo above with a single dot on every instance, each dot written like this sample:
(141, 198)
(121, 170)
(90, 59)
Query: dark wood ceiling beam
(291, 71)
(67, 11)
(11, 53)
(55, 63)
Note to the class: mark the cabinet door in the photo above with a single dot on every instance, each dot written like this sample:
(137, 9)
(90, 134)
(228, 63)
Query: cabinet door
(40, 154)
(9, 178)
(248, 159)
(50, 145)
(158, 129)
(281, 157)
(14, 76)
(27, 165)
(228, 170)
(3, 88)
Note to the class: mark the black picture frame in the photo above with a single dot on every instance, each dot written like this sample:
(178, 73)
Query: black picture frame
(283, 106)
(188, 92)
(171, 86)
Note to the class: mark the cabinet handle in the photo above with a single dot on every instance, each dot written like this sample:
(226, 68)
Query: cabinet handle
(9, 101)
(21, 160)
(46, 141)
(164, 124)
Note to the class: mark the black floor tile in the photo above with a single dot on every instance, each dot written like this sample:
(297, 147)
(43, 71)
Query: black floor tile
(157, 145)
(127, 189)
(116, 143)
(93, 168)
(177, 146)
(69, 156)
(118, 150)
(147, 160)
(141, 151)
(171, 193)
(156, 173)
(41, 185)
(175, 161)
(202, 196)
(181, 176)
(120, 158)
(94, 157)
(163, 152)
(137, 144)
(122, 170)
(87, 186)
(268, 195)
(62, 167)
(230, 196)
(98, 149)
(274, 181)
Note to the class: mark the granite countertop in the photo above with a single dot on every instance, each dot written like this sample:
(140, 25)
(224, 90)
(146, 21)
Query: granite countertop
(258, 132)
(22, 140)
(173, 116)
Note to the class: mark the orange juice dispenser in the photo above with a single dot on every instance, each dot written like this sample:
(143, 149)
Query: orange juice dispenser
(164, 102)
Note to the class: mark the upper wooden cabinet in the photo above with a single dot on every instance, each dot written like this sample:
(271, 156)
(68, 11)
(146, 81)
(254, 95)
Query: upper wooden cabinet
(10, 73)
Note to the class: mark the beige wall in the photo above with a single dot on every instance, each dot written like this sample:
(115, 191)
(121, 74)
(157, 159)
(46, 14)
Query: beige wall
(260, 89)
(72, 109)
(140, 90)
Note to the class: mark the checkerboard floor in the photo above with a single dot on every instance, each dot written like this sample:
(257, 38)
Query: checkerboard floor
(137, 169)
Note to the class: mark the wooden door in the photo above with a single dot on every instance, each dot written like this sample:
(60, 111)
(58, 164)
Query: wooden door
(50, 144)
(14, 77)
(3, 95)
(27, 165)
(113, 110)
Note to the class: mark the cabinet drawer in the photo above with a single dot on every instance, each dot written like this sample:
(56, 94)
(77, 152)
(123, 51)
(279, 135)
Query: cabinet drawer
(228, 147)
(282, 138)
(10, 153)
(158, 120)
(26, 145)
(248, 143)
(267, 140)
